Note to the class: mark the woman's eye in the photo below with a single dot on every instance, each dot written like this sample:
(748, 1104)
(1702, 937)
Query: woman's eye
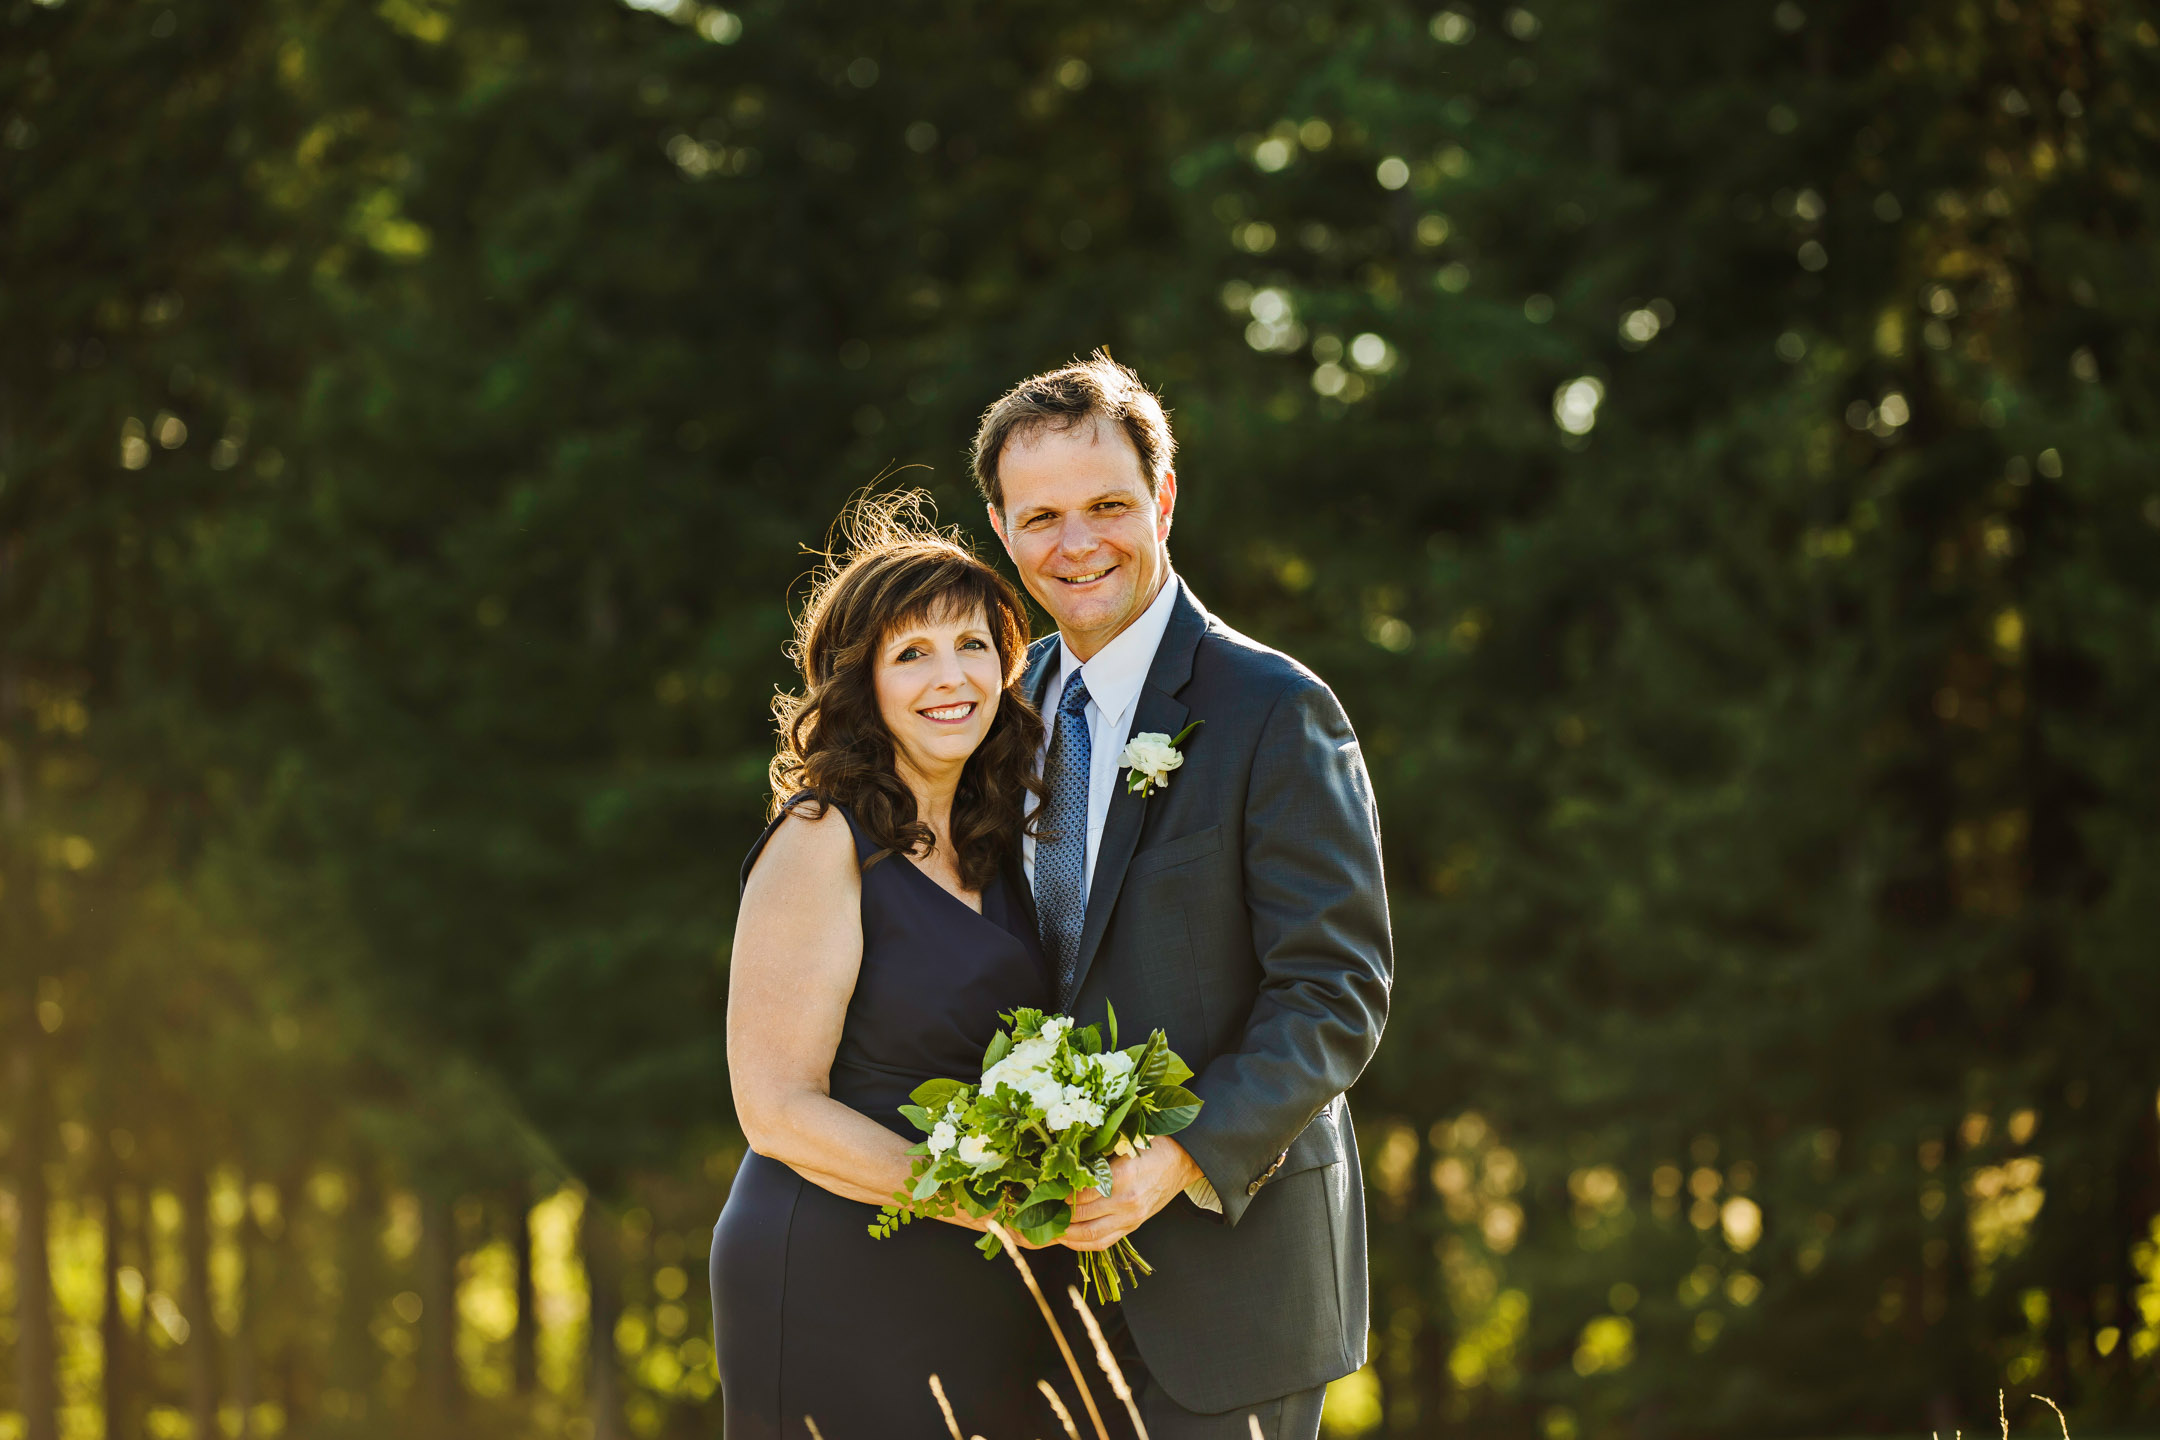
(913, 652)
(973, 645)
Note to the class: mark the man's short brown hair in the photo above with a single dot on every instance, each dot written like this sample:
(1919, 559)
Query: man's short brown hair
(1068, 396)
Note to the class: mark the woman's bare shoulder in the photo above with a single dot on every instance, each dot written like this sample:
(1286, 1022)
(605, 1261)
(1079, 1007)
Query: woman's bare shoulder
(811, 851)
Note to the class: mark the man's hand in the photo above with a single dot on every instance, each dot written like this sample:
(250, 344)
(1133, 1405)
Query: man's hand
(1140, 1185)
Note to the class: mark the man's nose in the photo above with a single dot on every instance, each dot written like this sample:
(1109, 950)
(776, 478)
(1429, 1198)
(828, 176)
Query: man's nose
(1075, 535)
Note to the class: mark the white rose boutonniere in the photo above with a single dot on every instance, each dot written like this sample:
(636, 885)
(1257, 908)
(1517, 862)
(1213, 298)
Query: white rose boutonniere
(1150, 756)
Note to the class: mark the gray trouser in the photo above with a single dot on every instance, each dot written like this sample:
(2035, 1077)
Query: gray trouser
(1289, 1417)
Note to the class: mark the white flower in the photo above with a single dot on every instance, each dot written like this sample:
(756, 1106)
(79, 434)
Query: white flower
(1024, 1067)
(976, 1151)
(1150, 756)
(1074, 1109)
(942, 1138)
(1055, 1028)
(1114, 1067)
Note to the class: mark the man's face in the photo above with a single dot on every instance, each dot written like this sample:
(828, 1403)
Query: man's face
(1087, 538)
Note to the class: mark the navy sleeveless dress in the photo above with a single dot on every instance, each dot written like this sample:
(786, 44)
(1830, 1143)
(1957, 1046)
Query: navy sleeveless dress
(814, 1318)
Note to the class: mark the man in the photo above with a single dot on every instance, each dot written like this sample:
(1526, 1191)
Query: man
(1239, 906)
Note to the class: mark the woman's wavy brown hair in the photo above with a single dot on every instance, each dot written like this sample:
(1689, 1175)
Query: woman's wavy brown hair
(894, 569)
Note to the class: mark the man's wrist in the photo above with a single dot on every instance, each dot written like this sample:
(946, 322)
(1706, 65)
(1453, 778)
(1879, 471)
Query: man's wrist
(1187, 1168)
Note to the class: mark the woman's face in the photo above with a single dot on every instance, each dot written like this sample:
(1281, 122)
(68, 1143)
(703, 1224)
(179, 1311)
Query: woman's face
(938, 683)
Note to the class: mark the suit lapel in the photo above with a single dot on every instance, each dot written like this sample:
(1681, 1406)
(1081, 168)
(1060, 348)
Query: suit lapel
(1041, 665)
(1161, 711)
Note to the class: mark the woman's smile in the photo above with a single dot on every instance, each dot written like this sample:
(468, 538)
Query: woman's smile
(949, 714)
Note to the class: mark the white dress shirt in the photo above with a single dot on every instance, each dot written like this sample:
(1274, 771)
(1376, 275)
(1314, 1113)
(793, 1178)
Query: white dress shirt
(1115, 677)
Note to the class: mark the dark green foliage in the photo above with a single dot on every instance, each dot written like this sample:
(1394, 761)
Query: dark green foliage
(413, 414)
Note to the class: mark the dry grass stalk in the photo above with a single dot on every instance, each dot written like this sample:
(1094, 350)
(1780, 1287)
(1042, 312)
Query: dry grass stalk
(815, 1433)
(1112, 1371)
(1087, 1396)
(2060, 1418)
(1254, 1421)
(937, 1388)
(1064, 1416)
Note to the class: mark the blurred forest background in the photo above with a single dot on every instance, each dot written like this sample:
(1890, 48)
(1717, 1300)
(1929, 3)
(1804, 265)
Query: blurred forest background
(1708, 444)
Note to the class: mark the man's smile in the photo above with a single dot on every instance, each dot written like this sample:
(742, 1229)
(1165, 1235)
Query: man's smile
(1088, 579)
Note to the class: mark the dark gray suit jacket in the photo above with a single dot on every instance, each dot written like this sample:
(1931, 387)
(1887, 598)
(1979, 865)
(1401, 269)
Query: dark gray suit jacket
(1241, 908)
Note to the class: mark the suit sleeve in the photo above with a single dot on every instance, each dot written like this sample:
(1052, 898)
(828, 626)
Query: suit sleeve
(1318, 907)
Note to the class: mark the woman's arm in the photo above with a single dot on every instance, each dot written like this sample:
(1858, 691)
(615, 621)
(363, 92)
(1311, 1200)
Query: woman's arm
(798, 949)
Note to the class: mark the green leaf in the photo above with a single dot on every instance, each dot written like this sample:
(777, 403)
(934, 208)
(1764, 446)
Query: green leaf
(1047, 1191)
(1177, 1072)
(918, 1117)
(1154, 1061)
(1179, 738)
(1042, 1224)
(1175, 1108)
(1113, 1023)
(925, 1188)
(1106, 1135)
(935, 1095)
(1087, 1041)
(1000, 1047)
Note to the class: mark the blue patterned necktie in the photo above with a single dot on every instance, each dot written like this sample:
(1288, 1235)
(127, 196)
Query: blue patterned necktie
(1061, 850)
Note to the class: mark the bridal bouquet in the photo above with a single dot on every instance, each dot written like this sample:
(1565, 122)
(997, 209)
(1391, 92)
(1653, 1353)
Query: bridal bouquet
(1053, 1105)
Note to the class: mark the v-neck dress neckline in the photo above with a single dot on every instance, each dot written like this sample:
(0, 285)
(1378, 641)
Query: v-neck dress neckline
(982, 913)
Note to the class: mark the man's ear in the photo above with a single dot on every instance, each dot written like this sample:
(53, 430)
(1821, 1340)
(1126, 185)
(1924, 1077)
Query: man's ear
(997, 523)
(1165, 502)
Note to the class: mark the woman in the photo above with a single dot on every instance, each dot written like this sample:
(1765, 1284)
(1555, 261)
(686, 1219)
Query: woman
(881, 931)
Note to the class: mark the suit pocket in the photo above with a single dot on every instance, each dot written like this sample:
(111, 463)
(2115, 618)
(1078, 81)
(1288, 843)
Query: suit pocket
(1176, 852)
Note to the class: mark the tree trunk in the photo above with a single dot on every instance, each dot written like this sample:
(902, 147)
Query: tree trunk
(36, 1383)
(201, 1347)
(116, 1369)
(602, 1248)
(525, 1339)
(440, 1393)
(134, 1249)
(354, 1358)
(246, 1381)
(279, 1300)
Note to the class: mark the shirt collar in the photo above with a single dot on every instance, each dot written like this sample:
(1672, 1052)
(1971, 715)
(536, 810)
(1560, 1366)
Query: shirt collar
(1120, 668)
